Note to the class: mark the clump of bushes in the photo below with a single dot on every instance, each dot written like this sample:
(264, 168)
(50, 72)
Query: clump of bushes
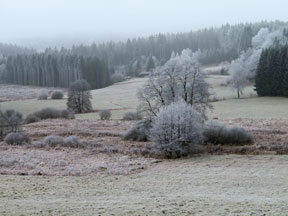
(31, 118)
(217, 133)
(105, 114)
(16, 139)
(43, 95)
(48, 113)
(74, 142)
(139, 131)
(176, 130)
(129, 116)
(56, 95)
(53, 141)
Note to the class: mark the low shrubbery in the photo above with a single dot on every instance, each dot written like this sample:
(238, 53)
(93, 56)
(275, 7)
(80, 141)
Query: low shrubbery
(129, 116)
(43, 95)
(217, 133)
(53, 141)
(105, 114)
(58, 141)
(16, 139)
(48, 113)
(56, 95)
(139, 131)
(31, 118)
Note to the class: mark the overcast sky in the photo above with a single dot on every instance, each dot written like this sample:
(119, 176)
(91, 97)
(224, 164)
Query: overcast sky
(111, 19)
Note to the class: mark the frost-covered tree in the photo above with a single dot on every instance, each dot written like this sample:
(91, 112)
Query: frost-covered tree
(238, 79)
(244, 68)
(179, 79)
(176, 129)
(79, 97)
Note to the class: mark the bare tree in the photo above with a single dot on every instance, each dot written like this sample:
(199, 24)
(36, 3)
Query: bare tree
(179, 79)
(79, 97)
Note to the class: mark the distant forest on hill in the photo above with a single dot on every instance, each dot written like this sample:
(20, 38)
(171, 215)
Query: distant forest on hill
(98, 62)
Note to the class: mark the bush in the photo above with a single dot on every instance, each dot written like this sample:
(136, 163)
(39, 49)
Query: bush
(16, 139)
(177, 128)
(105, 114)
(139, 131)
(52, 113)
(53, 141)
(217, 133)
(43, 95)
(56, 95)
(73, 142)
(129, 116)
(38, 144)
(31, 118)
(117, 77)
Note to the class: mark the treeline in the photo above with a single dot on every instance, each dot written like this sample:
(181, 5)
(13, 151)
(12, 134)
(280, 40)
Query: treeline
(217, 45)
(272, 72)
(55, 70)
(9, 49)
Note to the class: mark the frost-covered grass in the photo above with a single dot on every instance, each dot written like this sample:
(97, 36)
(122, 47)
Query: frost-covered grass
(254, 108)
(121, 97)
(209, 185)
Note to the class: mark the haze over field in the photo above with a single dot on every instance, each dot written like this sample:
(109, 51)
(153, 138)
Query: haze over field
(66, 22)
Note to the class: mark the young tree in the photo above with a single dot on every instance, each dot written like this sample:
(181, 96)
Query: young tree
(238, 78)
(79, 97)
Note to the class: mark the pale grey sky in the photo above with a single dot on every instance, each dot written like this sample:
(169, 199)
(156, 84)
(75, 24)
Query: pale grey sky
(127, 18)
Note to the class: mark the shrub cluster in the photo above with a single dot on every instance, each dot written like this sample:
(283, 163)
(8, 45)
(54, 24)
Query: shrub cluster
(43, 95)
(16, 139)
(217, 133)
(54, 141)
(56, 95)
(105, 114)
(139, 131)
(129, 116)
(48, 113)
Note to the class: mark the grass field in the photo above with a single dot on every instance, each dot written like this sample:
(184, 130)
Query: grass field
(121, 98)
(208, 185)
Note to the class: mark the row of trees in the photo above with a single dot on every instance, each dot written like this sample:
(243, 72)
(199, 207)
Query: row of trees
(272, 72)
(217, 45)
(55, 70)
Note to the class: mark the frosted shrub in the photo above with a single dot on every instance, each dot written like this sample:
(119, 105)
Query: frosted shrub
(176, 129)
(105, 114)
(217, 133)
(31, 118)
(16, 139)
(129, 116)
(73, 142)
(117, 77)
(43, 95)
(53, 141)
(139, 131)
(51, 113)
(56, 95)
